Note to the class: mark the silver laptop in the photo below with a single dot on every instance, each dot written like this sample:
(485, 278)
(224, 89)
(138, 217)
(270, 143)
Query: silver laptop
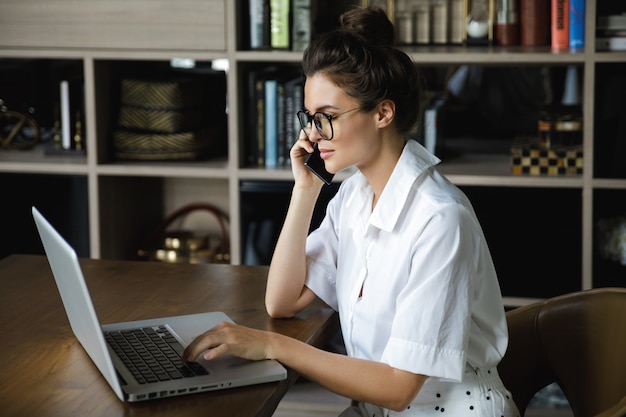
(130, 372)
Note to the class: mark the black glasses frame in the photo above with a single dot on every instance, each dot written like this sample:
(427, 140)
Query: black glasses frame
(305, 119)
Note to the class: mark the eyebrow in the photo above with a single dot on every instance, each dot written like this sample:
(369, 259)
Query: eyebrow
(323, 109)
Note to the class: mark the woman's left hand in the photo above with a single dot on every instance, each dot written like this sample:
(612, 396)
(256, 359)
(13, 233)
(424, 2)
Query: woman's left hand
(233, 339)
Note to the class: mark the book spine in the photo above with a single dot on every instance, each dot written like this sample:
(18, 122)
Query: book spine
(301, 27)
(260, 124)
(439, 29)
(279, 24)
(280, 120)
(257, 24)
(271, 125)
(560, 25)
(297, 103)
(577, 24)
(457, 21)
(289, 116)
(252, 144)
(611, 44)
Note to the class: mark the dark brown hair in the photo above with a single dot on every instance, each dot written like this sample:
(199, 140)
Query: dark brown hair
(360, 58)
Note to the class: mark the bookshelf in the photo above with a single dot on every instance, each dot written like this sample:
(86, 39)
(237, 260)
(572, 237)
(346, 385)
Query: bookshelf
(109, 205)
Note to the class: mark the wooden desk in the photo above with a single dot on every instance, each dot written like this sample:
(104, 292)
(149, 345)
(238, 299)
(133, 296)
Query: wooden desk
(45, 372)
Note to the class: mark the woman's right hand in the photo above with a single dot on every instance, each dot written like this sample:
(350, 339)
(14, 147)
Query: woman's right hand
(299, 153)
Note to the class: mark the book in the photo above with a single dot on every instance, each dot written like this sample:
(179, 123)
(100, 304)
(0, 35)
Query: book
(279, 24)
(271, 123)
(614, 22)
(280, 122)
(577, 24)
(617, 43)
(251, 145)
(301, 26)
(293, 104)
(560, 25)
(255, 107)
(259, 24)
(457, 21)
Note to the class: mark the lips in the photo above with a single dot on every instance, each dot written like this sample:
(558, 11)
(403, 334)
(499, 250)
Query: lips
(326, 153)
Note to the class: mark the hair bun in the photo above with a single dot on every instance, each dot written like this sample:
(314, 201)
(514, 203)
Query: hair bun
(370, 25)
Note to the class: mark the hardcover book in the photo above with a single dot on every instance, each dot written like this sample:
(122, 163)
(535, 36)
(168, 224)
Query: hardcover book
(259, 24)
(617, 43)
(577, 24)
(301, 27)
(560, 25)
(279, 24)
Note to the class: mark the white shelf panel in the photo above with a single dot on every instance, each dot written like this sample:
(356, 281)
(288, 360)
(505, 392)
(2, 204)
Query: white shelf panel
(609, 183)
(36, 161)
(495, 170)
(281, 174)
(180, 169)
(454, 54)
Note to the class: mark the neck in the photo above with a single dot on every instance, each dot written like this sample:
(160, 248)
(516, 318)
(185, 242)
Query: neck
(379, 172)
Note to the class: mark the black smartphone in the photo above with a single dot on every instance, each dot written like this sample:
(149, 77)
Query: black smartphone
(315, 163)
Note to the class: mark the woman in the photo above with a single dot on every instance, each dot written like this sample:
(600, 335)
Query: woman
(400, 253)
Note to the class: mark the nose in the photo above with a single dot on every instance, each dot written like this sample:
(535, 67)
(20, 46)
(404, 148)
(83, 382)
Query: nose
(314, 134)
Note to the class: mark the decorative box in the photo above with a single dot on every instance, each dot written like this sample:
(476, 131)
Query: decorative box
(528, 157)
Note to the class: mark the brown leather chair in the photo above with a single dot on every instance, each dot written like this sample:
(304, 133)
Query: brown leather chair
(577, 340)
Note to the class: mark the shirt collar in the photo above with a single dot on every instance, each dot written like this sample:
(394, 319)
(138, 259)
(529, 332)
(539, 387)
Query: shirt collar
(413, 162)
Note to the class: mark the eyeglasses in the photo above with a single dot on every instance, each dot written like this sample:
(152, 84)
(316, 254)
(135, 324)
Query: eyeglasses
(323, 122)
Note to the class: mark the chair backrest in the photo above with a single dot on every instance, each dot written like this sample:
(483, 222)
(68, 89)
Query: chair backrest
(577, 340)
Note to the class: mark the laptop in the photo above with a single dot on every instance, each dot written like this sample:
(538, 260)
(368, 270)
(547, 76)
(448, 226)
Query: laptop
(132, 375)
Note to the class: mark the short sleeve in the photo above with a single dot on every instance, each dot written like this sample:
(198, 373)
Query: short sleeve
(430, 330)
(321, 253)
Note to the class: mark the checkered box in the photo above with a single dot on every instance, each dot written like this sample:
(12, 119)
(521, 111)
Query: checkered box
(528, 157)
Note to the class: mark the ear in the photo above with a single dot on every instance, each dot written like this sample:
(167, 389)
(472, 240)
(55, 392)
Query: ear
(386, 111)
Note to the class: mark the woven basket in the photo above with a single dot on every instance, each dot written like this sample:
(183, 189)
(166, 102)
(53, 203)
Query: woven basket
(130, 144)
(173, 118)
(175, 94)
(162, 120)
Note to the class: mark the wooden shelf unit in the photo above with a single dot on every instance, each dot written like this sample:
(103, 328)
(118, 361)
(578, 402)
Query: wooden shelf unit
(124, 198)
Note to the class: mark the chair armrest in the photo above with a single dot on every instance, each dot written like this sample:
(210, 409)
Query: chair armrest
(618, 410)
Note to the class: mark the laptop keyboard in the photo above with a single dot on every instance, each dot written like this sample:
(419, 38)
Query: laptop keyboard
(152, 354)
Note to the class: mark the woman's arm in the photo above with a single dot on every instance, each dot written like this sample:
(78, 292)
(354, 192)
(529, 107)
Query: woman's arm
(357, 379)
(286, 293)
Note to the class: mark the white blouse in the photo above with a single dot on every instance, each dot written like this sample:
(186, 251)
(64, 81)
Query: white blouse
(412, 280)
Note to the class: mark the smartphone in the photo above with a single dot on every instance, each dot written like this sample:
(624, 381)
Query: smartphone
(315, 164)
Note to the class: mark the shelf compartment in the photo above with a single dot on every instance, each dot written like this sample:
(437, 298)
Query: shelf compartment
(129, 24)
(262, 211)
(63, 199)
(609, 122)
(32, 87)
(153, 75)
(534, 235)
(132, 206)
(609, 210)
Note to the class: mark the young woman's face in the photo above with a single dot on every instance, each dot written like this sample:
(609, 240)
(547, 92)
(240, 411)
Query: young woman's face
(354, 134)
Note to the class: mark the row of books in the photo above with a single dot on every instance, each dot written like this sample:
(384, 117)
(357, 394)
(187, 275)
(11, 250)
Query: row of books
(568, 24)
(611, 33)
(275, 98)
(289, 24)
(280, 24)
